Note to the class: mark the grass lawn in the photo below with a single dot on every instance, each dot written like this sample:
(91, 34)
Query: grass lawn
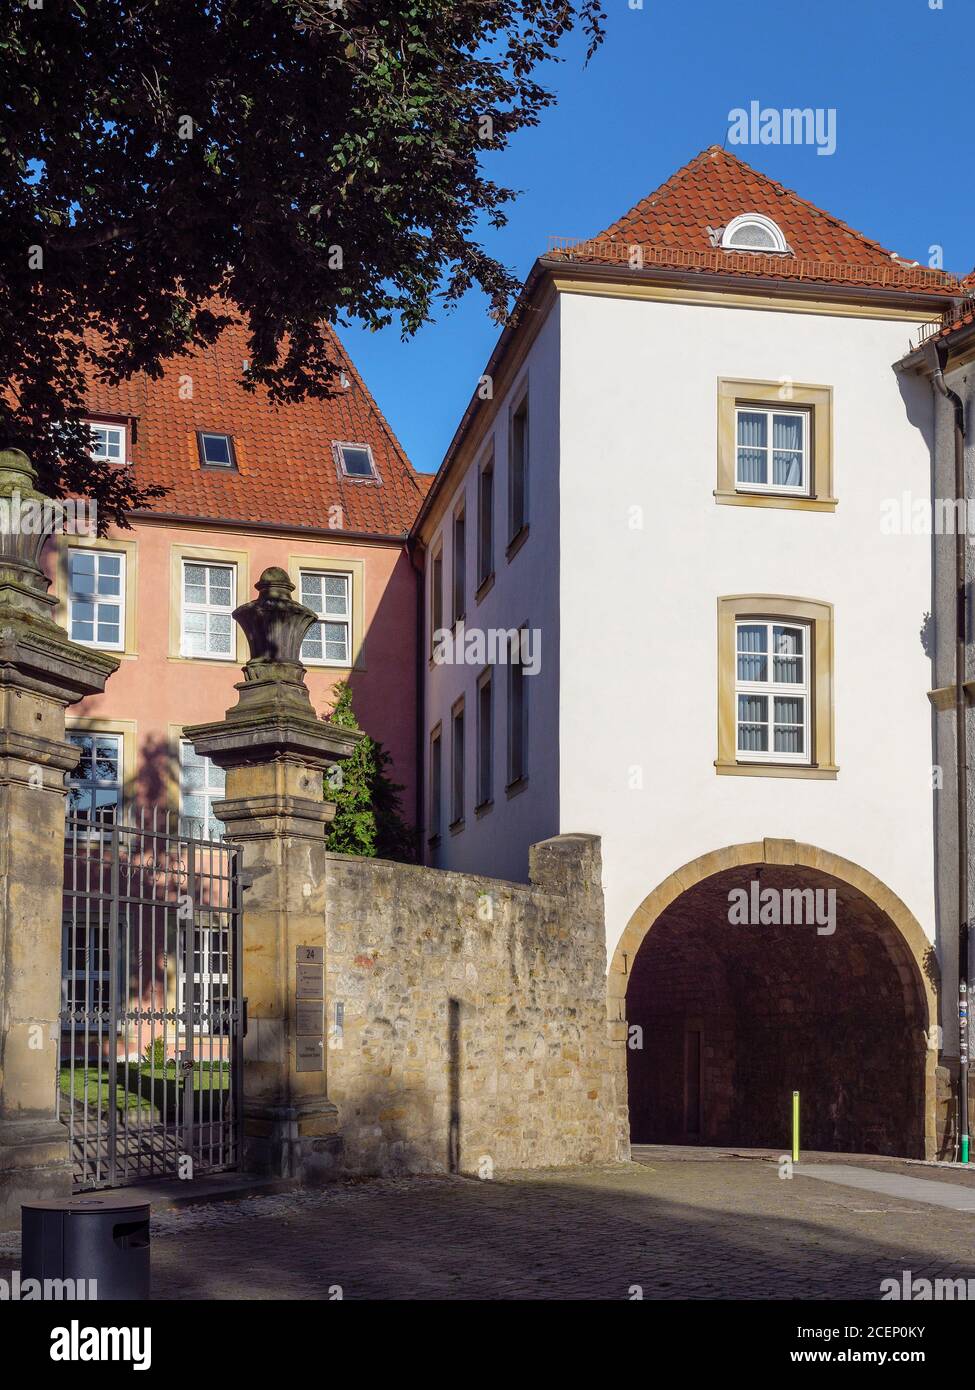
(93, 1090)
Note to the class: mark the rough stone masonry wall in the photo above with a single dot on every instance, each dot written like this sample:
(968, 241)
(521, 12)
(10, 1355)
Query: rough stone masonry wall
(474, 1029)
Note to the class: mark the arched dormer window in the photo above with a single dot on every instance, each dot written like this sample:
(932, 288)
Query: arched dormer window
(753, 232)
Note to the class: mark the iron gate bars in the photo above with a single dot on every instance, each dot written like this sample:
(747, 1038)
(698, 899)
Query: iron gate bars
(151, 1045)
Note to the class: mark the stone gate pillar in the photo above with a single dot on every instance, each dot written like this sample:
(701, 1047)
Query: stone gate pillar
(275, 751)
(41, 673)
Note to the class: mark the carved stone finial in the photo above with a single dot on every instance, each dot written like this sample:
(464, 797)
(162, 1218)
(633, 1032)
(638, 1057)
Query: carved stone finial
(35, 652)
(274, 623)
(273, 721)
(22, 582)
(18, 474)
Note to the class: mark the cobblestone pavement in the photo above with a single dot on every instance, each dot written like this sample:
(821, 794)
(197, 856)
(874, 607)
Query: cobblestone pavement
(678, 1228)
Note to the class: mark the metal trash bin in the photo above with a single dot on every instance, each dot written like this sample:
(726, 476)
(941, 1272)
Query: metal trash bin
(100, 1237)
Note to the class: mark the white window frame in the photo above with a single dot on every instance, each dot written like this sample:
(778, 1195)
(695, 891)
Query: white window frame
(777, 489)
(339, 448)
(208, 609)
(75, 736)
(346, 621)
(114, 601)
(208, 793)
(103, 456)
(91, 937)
(211, 989)
(757, 219)
(770, 689)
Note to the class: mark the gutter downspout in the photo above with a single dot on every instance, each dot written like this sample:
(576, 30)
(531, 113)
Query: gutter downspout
(937, 354)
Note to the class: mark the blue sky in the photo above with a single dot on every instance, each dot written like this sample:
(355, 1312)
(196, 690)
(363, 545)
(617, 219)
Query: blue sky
(660, 90)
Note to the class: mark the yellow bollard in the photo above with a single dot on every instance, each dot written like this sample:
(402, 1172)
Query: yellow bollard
(795, 1126)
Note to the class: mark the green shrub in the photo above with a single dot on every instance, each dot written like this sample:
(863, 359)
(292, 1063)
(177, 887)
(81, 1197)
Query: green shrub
(368, 818)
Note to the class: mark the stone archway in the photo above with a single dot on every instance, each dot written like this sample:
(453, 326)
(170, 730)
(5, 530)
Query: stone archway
(733, 1017)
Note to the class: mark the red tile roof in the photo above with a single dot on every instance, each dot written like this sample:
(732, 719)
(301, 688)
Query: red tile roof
(671, 225)
(286, 472)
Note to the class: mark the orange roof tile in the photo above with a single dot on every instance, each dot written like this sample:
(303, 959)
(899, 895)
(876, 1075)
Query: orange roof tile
(672, 225)
(286, 473)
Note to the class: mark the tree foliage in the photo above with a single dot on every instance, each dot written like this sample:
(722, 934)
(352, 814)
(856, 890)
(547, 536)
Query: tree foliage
(307, 161)
(368, 820)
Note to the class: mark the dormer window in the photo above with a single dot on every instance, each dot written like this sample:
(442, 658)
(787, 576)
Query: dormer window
(356, 461)
(216, 450)
(753, 232)
(107, 442)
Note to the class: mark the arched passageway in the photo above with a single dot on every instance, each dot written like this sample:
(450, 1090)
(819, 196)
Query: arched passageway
(764, 978)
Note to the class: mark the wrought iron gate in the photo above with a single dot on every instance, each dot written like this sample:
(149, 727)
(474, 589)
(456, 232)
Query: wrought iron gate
(151, 1039)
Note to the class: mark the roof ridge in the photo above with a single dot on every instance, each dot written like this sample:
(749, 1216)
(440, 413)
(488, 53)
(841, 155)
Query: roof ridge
(656, 192)
(387, 427)
(806, 202)
(668, 187)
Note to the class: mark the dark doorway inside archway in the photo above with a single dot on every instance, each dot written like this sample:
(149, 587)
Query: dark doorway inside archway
(740, 994)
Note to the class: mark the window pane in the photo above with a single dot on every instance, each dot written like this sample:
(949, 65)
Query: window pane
(335, 641)
(82, 562)
(109, 584)
(752, 649)
(357, 462)
(754, 237)
(787, 432)
(311, 591)
(788, 653)
(220, 586)
(752, 723)
(82, 574)
(752, 446)
(193, 776)
(311, 647)
(106, 757)
(194, 583)
(82, 741)
(752, 429)
(789, 725)
(108, 632)
(216, 450)
(787, 470)
(219, 634)
(336, 594)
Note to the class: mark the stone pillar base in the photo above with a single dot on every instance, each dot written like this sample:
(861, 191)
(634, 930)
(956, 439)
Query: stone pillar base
(34, 1164)
(299, 1141)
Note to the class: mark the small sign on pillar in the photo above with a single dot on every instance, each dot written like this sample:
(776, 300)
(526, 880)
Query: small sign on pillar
(310, 1008)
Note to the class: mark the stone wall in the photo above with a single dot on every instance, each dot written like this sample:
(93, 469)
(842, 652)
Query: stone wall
(473, 1030)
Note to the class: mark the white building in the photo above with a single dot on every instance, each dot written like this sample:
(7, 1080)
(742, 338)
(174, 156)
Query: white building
(674, 479)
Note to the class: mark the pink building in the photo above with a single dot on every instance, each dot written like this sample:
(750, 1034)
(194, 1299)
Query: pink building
(321, 488)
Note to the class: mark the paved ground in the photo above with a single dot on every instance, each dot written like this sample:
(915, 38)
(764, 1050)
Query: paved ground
(678, 1227)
